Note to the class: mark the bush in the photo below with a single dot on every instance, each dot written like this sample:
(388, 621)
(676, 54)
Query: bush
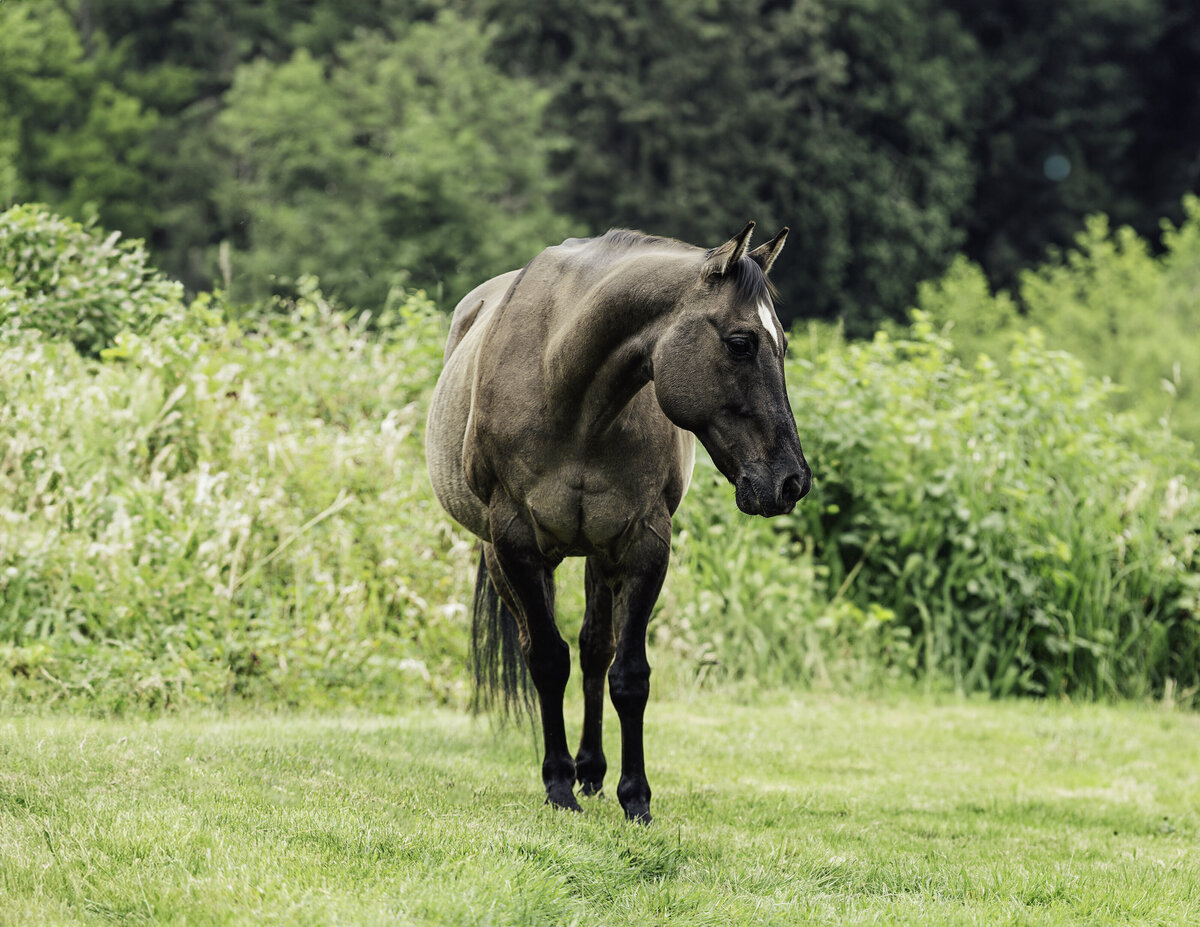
(233, 508)
(1124, 311)
(74, 283)
(236, 505)
(1030, 539)
(746, 600)
(993, 528)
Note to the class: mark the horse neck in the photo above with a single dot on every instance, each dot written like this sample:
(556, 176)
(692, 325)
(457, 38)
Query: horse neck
(600, 358)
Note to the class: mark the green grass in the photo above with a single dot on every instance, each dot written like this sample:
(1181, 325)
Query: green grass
(808, 810)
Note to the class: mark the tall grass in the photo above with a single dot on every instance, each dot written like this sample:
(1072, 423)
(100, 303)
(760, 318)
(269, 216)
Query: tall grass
(220, 503)
(227, 507)
(1031, 539)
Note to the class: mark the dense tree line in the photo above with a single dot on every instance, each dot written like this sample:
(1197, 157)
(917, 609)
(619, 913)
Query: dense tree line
(432, 143)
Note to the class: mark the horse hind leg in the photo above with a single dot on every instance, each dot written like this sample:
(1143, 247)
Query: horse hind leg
(596, 648)
(528, 578)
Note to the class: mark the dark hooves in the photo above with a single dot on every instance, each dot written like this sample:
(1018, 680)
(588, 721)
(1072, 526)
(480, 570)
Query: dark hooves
(591, 789)
(564, 800)
(639, 815)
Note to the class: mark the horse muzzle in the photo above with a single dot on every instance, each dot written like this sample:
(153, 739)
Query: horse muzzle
(764, 493)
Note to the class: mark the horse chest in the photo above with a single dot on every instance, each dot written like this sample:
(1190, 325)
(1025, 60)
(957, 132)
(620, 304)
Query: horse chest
(576, 513)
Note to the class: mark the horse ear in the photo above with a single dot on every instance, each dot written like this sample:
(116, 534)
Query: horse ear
(720, 259)
(765, 254)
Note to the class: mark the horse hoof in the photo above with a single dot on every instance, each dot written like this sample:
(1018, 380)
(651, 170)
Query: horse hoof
(639, 815)
(591, 789)
(564, 801)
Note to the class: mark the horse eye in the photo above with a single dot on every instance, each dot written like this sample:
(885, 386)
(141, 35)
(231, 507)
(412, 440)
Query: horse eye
(741, 346)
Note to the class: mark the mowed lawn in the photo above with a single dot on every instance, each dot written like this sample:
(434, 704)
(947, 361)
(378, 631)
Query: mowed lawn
(812, 809)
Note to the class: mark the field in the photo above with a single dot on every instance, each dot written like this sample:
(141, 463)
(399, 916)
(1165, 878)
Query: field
(786, 810)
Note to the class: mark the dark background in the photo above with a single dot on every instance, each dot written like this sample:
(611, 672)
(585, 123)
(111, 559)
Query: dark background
(433, 144)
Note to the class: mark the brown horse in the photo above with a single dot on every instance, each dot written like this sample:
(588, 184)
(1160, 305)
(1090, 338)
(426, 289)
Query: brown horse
(562, 426)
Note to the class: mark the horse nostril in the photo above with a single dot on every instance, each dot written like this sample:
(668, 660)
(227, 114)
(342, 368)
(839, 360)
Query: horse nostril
(793, 489)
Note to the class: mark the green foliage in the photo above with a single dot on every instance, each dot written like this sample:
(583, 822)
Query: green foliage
(236, 503)
(746, 600)
(227, 508)
(208, 39)
(68, 133)
(387, 166)
(1072, 81)
(1128, 314)
(890, 143)
(452, 140)
(75, 283)
(1031, 540)
(976, 320)
(837, 118)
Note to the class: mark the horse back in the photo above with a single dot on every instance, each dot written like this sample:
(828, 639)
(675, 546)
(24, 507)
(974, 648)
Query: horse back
(475, 306)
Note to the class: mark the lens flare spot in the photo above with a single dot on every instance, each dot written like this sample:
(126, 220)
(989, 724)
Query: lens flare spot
(1057, 167)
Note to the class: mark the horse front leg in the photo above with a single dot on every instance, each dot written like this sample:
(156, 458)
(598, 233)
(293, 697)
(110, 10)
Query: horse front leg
(528, 578)
(596, 647)
(636, 582)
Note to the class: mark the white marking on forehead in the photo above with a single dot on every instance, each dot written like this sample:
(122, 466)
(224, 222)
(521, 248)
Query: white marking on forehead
(765, 316)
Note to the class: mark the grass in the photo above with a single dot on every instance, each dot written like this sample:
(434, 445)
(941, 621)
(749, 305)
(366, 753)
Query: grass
(804, 810)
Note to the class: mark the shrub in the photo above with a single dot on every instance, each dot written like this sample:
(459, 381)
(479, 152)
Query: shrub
(1032, 540)
(746, 600)
(231, 508)
(236, 504)
(1127, 313)
(73, 282)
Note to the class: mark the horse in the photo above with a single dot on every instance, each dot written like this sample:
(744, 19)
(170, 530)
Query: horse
(564, 423)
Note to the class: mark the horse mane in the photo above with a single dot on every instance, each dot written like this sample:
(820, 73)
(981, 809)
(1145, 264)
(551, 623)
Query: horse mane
(753, 285)
(629, 238)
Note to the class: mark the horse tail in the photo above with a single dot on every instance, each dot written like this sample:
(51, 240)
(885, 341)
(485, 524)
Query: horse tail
(501, 677)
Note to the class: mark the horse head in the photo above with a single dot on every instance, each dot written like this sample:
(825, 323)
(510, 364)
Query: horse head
(718, 372)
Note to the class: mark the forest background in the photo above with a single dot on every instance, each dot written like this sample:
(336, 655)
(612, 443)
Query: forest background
(435, 143)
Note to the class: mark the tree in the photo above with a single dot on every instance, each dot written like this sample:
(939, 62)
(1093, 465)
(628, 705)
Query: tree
(837, 117)
(68, 134)
(1166, 128)
(1055, 132)
(407, 159)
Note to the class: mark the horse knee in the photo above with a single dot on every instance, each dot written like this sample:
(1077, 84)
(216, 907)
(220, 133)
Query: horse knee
(629, 687)
(595, 651)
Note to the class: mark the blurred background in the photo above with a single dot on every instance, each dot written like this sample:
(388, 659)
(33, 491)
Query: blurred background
(231, 232)
(433, 144)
